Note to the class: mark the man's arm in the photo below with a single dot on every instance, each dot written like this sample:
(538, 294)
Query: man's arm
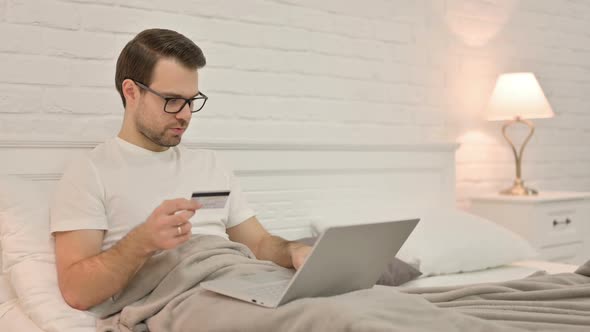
(88, 276)
(269, 247)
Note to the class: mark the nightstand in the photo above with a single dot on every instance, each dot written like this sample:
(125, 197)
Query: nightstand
(557, 224)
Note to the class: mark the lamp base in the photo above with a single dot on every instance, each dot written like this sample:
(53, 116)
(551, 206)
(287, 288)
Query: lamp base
(519, 189)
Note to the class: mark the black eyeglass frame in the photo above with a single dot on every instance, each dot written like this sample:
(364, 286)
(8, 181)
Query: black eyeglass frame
(188, 101)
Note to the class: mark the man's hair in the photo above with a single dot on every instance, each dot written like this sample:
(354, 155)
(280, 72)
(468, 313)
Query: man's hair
(138, 58)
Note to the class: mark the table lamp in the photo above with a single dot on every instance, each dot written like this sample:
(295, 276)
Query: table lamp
(518, 97)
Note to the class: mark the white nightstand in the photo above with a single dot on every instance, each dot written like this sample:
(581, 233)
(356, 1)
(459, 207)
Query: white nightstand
(557, 224)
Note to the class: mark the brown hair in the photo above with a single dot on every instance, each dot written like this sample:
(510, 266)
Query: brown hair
(139, 56)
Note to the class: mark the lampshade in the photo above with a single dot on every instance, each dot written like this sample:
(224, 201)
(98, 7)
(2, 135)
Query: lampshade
(518, 95)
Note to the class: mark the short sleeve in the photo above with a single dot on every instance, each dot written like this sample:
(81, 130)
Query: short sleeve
(78, 201)
(239, 210)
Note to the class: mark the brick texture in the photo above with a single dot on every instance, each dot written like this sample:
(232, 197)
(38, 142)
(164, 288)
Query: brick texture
(376, 71)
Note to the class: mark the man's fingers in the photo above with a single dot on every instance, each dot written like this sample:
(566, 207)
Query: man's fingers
(183, 232)
(183, 216)
(183, 229)
(172, 206)
(186, 214)
(179, 218)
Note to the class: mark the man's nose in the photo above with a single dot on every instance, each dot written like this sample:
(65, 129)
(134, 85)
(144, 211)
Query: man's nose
(185, 113)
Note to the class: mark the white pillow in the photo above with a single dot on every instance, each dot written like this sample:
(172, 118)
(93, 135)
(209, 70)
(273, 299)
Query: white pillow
(28, 257)
(24, 223)
(6, 291)
(451, 241)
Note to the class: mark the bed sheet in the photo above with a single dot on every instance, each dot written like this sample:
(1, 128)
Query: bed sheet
(516, 270)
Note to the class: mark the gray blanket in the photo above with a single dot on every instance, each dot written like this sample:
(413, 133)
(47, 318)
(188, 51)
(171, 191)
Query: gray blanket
(165, 296)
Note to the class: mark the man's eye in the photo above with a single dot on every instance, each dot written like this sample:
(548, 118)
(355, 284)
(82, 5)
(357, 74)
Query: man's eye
(175, 102)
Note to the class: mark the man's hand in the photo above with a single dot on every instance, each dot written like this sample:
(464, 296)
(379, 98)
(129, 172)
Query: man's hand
(168, 226)
(269, 247)
(88, 276)
(299, 253)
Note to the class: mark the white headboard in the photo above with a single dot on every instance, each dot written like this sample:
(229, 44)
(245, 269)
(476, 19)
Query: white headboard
(291, 185)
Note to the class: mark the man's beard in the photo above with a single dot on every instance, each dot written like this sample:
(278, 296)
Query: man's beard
(159, 138)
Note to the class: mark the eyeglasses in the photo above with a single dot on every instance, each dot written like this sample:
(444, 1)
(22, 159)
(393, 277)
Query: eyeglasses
(174, 105)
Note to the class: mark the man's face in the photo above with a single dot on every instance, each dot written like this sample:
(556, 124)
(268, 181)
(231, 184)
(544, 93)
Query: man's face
(170, 79)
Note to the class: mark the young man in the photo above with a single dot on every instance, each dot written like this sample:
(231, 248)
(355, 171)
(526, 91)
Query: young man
(127, 199)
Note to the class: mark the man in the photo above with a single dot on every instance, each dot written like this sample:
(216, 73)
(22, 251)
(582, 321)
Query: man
(126, 200)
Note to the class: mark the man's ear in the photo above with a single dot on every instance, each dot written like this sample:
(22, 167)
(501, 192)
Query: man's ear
(130, 92)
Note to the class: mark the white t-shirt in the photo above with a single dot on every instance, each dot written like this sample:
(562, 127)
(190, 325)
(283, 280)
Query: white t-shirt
(117, 185)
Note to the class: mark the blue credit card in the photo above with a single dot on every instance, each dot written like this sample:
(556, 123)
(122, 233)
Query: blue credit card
(211, 199)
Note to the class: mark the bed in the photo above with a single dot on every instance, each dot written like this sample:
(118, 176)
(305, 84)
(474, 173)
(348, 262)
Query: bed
(297, 189)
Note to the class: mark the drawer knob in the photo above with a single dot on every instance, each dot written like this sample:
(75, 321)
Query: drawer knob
(567, 221)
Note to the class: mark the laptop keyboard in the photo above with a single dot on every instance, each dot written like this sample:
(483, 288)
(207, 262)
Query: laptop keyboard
(271, 291)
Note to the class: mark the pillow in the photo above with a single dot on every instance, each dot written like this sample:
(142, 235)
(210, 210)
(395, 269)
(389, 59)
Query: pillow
(396, 273)
(451, 241)
(24, 218)
(6, 291)
(584, 269)
(28, 257)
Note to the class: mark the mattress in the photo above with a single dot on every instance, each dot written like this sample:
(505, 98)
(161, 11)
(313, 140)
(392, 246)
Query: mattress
(517, 270)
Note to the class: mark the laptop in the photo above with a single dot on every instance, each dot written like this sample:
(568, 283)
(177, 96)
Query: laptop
(343, 259)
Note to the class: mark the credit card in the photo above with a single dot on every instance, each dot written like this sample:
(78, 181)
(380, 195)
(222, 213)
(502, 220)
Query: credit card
(211, 199)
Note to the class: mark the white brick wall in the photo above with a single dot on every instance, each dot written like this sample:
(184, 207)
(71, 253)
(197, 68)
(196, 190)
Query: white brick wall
(373, 71)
